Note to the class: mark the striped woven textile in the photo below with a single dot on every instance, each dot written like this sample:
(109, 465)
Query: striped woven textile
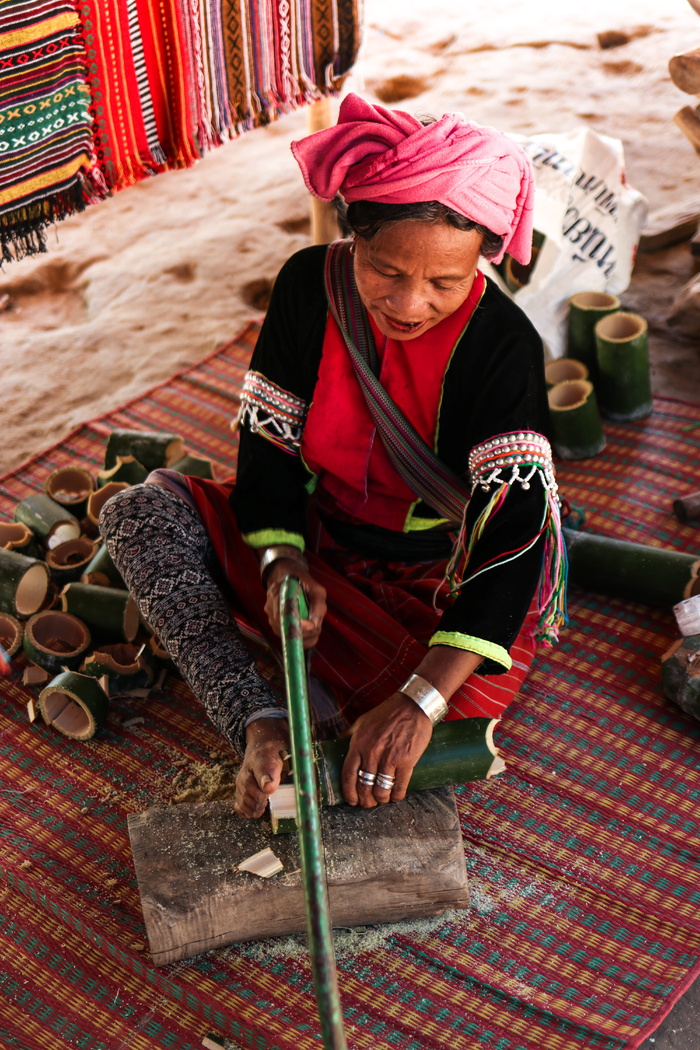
(96, 95)
(584, 925)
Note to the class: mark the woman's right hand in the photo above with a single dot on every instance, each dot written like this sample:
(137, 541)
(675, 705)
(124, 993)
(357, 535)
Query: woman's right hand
(315, 596)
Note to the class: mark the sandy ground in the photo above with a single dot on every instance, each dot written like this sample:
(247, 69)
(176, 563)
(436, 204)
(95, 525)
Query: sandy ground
(163, 273)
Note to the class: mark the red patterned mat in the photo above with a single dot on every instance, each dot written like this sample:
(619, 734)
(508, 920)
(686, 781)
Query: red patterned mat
(583, 858)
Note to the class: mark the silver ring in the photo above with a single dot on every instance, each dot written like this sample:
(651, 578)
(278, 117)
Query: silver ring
(385, 781)
(366, 778)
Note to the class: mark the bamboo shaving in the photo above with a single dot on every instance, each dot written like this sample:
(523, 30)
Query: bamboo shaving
(265, 864)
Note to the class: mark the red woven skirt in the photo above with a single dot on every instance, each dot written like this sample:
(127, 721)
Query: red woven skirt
(379, 620)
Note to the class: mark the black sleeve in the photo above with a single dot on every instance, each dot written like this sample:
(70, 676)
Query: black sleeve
(269, 498)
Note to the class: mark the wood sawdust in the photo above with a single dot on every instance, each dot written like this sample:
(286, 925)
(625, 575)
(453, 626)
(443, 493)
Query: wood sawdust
(197, 782)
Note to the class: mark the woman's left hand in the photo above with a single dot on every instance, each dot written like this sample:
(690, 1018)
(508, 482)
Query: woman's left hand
(389, 739)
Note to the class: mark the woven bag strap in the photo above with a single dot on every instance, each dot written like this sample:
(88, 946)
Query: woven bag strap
(421, 469)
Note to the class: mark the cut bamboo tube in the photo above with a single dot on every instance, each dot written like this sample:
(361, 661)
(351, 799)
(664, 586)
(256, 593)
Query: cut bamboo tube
(48, 520)
(563, 369)
(102, 571)
(75, 704)
(687, 508)
(99, 498)
(688, 120)
(70, 487)
(631, 571)
(109, 612)
(16, 536)
(24, 583)
(687, 615)
(685, 71)
(680, 674)
(68, 560)
(125, 665)
(576, 426)
(126, 469)
(195, 466)
(55, 639)
(585, 310)
(324, 225)
(152, 449)
(624, 379)
(283, 810)
(10, 633)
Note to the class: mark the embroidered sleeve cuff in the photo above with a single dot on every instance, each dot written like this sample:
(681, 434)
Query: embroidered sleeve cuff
(273, 537)
(484, 648)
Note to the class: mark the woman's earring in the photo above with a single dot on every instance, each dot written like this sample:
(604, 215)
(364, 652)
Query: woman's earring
(352, 248)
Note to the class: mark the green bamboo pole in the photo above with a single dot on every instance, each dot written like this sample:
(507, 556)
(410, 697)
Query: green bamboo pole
(24, 583)
(152, 449)
(11, 631)
(48, 520)
(195, 466)
(585, 310)
(109, 612)
(55, 640)
(318, 919)
(458, 752)
(68, 561)
(632, 571)
(125, 469)
(102, 571)
(576, 426)
(624, 379)
(75, 704)
(70, 487)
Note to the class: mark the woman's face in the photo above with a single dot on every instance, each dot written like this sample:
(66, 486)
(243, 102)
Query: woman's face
(413, 274)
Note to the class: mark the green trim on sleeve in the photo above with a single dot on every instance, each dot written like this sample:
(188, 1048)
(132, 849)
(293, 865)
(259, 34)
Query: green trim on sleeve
(271, 537)
(474, 645)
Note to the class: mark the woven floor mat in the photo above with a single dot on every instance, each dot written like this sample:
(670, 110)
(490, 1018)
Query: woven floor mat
(583, 857)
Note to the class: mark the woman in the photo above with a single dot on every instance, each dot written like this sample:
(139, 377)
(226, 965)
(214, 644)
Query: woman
(420, 599)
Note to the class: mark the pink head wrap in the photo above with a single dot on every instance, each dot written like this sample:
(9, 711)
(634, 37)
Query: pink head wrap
(388, 156)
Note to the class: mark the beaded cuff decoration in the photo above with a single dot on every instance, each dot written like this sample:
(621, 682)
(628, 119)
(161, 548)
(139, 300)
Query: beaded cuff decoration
(272, 412)
(495, 466)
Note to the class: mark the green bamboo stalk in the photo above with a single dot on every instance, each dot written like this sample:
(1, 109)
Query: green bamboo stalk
(152, 449)
(585, 310)
(74, 704)
(55, 640)
(48, 520)
(318, 919)
(624, 379)
(24, 583)
(195, 466)
(102, 571)
(631, 571)
(108, 612)
(576, 427)
(70, 487)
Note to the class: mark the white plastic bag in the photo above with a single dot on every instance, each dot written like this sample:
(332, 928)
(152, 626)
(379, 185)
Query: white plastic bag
(591, 220)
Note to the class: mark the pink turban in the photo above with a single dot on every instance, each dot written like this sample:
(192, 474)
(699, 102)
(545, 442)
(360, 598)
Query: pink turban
(388, 156)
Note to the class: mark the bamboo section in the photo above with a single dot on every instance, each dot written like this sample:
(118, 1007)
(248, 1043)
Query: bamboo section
(16, 536)
(107, 611)
(55, 640)
(99, 498)
(624, 379)
(102, 571)
(685, 71)
(195, 466)
(10, 634)
(585, 310)
(75, 704)
(70, 487)
(563, 369)
(687, 508)
(48, 520)
(125, 665)
(631, 571)
(576, 426)
(126, 469)
(67, 562)
(152, 449)
(24, 583)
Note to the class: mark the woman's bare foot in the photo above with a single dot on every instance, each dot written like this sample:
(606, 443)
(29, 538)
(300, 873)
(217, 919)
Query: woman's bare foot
(262, 768)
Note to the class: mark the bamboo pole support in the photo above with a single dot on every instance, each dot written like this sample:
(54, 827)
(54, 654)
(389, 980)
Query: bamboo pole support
(70, 487)
(102, 571)
(126, 469)
(324, 225)
(11, 631)
(109, 612)
(68, 560)
(55, 640)
(16, 536)
(24, 583)
(48, 520)
(195, 466)
(680, 674)
(687, 508)
(152, 449)
(562, 369)
(585, 310)
(624, 379)
(631, 571)
(576, 425)
(75, 704)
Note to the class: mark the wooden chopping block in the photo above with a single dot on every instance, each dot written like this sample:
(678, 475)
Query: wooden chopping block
(401, 861)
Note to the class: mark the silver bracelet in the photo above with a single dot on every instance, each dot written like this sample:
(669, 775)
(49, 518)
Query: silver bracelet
(273, 554)
(431, 702)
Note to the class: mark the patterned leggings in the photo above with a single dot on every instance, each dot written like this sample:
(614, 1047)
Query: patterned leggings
(158, 543)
